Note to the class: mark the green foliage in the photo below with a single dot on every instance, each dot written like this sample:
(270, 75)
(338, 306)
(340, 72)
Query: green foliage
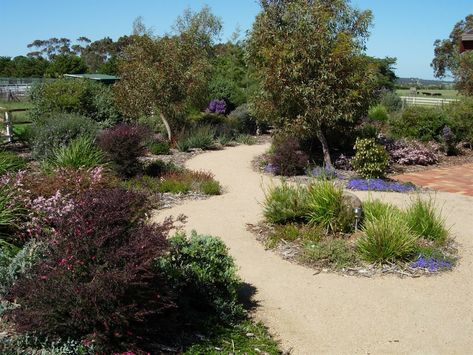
(286, 203)
(329, 252)
(66, 64)
(423, 123)
(169, 74)
(460, 115)
(293, 233)
(371, 159)
(378, 113)
(447, 57)
(245, 139)
(200, 137)
(79, 153)
(235, 340)
(30, 344)
(10, 162)
(16, 262)
(325, 207)
(324, 85)
(159, 147)
(210, 187)
(204, 275)
(23, 67)
(386, 239)
(375, 209)
(10, 212)
(424, 220)
(57, 131)
(391, 101)
(175, 185)
(79, 96)
(245, 121)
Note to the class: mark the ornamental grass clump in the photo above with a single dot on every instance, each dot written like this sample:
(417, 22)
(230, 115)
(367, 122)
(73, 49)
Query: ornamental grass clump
(284, 204)
(423, 218)
(371, 159)
(376, 209)
(10, 162)
(386, 239)
(79, 153)
(324, 203)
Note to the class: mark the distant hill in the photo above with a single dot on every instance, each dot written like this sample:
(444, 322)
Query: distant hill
(417, 82)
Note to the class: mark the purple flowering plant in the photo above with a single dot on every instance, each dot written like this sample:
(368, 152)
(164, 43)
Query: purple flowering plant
(379, 185)
(431, 264)
(217, 106)
(325, 173)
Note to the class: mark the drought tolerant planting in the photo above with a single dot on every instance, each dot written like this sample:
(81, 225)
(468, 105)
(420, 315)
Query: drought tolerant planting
(318, 225)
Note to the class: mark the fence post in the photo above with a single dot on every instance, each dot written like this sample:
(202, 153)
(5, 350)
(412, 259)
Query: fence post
(8, 124)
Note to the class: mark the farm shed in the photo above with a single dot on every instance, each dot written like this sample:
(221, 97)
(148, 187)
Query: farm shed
(467, 41)
(103, 78)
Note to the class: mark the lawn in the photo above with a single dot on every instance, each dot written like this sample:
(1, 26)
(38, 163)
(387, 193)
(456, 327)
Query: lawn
(445, 93)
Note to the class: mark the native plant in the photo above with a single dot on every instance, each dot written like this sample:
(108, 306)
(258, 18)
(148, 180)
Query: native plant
(285, 203)
(322, 86)
(371, 159)
(423, 218)
(79, 153)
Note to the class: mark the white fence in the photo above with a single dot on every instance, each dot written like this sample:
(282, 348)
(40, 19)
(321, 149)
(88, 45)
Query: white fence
(425, 101)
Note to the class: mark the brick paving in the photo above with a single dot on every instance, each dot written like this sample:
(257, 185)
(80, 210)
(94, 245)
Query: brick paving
(457, 179)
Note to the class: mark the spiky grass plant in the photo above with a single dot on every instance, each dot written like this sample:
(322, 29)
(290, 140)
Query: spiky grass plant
(285, 204)
(10, 162)
(325, 204)
(375, 209)
(424, 219)
(80, 153)
(386, 239)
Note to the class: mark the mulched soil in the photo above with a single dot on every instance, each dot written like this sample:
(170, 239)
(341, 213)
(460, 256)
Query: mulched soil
(293, 251)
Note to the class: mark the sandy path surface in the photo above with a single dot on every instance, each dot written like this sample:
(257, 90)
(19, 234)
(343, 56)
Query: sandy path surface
(328, 313)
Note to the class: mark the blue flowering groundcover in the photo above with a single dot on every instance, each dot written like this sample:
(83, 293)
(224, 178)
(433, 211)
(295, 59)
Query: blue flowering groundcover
(379, 185)
(432, 264)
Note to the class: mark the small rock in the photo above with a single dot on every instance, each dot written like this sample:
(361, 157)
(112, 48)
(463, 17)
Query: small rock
(249, 335)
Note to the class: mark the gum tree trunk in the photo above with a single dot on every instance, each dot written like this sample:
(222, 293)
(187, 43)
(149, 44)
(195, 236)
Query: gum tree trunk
(325, 149)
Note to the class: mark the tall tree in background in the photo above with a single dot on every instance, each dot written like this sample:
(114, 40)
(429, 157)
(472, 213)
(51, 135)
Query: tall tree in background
(448, 59)
(168, 75)
(308, 56)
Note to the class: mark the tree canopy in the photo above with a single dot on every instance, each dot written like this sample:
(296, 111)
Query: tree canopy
(308, 58)
(448, 59)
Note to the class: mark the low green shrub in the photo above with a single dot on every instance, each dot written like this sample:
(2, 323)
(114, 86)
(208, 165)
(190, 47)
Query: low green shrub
(245, 121)
(57, 131)
(460, 115)
(175, 184)
(285, 203)
(210, 187)
(245, 139)
(80, 97)
(159, 147)
(371, 160)
(423, 123)
(293, 233)
(203, 275)
(158, 168)
(10, 162)
(378, 113)
(17, 262)
(325, 207)
(329, 252)
(391, 101)
(202, 137)
(79, 153)
(424, 220)
(386, 239)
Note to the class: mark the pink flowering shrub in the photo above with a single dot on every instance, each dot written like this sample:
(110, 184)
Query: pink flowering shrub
(410, 153)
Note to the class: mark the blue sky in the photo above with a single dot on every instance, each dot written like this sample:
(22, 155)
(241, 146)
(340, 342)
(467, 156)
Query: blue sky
(405, 29)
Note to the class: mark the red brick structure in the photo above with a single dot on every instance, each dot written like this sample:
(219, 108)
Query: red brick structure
(467, 41)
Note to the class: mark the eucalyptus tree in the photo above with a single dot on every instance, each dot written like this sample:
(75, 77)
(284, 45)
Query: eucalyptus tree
(308, 56)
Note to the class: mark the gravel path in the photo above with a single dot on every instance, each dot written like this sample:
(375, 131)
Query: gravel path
(329, 313)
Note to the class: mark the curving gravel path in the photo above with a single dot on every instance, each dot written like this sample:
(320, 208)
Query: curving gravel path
(329, 313)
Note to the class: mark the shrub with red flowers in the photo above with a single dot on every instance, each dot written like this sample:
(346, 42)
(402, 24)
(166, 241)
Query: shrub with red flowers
(97, 279)
(123, 144)
(288, 158)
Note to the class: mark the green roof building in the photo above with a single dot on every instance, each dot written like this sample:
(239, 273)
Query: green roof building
(103, 78)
